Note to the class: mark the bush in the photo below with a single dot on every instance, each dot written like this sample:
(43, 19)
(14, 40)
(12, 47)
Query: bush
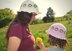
(4, 22)
(6, 15)
(43, 36)
(37, 21)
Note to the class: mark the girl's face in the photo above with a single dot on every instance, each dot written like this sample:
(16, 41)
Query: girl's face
(33, 17)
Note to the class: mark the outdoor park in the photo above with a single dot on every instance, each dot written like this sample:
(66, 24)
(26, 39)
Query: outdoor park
(38, 27)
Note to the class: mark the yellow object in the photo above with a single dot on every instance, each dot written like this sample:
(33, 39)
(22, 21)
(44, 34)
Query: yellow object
(38, 39)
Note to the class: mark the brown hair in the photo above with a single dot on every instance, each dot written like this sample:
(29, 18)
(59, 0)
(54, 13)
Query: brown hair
(55, 41)
(23, 17)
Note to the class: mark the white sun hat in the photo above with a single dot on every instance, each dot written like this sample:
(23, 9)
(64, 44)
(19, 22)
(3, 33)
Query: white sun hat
(57, 30)
(29, 6)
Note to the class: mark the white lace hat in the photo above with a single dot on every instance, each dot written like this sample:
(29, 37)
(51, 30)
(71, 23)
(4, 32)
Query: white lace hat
(29, 6)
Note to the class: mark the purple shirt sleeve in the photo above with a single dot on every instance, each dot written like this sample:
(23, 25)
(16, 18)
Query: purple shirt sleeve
(15, 30)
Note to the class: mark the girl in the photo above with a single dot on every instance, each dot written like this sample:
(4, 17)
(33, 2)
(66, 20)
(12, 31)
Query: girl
(56, 38)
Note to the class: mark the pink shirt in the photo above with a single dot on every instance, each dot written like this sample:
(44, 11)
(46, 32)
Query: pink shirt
(22, 32)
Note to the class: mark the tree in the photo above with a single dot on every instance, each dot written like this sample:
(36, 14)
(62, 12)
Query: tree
(6, 15)
(68, 15)
(45, 19)
(49, 16)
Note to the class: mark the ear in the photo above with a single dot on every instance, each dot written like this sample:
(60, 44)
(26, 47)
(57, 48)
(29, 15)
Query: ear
(34, 14)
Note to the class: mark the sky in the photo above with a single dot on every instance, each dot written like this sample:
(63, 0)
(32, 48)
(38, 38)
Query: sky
(60, 7)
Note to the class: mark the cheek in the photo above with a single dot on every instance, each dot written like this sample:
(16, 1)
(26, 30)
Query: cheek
(48, 40)
(33, 17)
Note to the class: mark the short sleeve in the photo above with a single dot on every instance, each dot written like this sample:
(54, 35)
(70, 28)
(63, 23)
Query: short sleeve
(15, 30)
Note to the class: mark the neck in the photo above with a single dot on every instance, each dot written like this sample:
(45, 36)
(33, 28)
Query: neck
(56, 46)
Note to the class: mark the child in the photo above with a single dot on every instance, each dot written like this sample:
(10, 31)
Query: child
(56, 38)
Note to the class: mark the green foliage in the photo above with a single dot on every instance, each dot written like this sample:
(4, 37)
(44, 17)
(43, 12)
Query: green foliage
(37, 21)
(4, 22)
(3, 39)
(59, 19)
(69, 45)
(68, 15)
(45, 19)
(6, 15)
(69, 30)
(49, 16)
(41, 35)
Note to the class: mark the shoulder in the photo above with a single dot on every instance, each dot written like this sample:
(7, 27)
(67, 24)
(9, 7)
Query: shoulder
(55, 49)
(15, 30)
(15, 26)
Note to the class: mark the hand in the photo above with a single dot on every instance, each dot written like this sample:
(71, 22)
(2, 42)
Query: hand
(41, 46)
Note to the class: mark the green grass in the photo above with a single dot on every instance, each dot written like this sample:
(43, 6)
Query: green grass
(3, 38)
(39, 30)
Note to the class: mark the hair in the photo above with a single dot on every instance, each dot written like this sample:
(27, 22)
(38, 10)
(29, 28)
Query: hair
(23, 18)
(55, 41)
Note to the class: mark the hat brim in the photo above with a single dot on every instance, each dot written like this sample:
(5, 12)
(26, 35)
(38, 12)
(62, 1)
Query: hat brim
(54, 34)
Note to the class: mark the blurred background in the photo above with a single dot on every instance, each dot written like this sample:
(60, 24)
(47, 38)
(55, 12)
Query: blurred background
(52, 11)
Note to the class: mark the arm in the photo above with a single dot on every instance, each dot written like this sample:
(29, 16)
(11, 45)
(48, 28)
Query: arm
(13, 43)
(42, 47)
